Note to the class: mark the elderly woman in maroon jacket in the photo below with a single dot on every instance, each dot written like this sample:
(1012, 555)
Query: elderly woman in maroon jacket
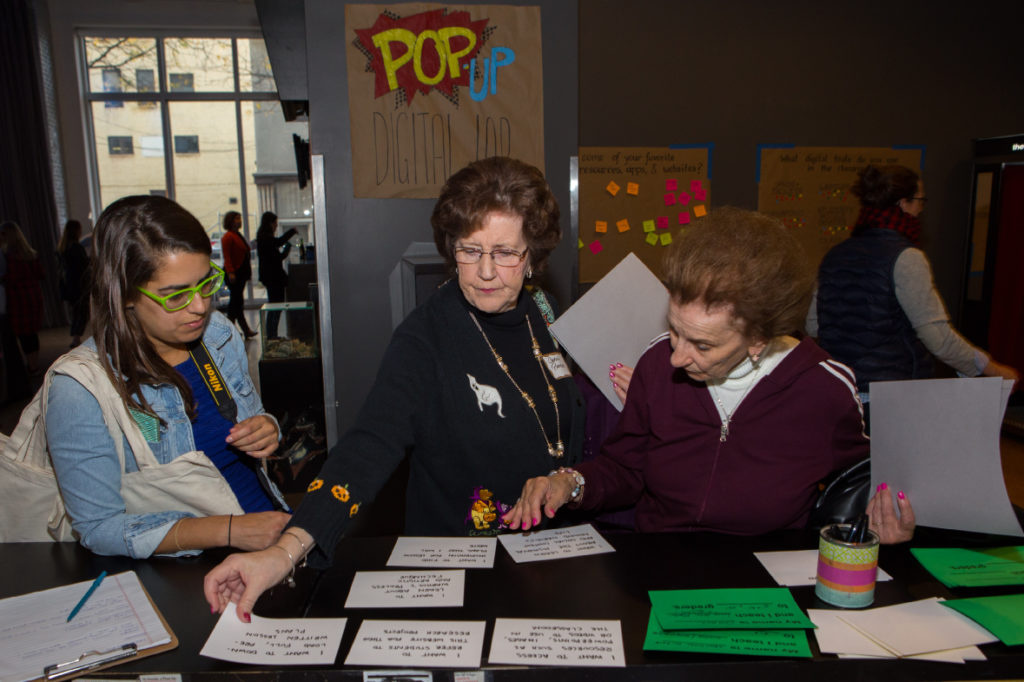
(730, 422)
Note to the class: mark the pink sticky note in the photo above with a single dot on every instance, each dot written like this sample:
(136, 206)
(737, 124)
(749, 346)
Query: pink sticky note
(670, 199)
(595, 247)
(662, 222)
(700, 195)
(700, 211)
(600, 226)
(684, 218)
(632, 188)
(684, 198)
(694, 185)
(671, 185)
(623, 225)
(652, 239)
(612, 188)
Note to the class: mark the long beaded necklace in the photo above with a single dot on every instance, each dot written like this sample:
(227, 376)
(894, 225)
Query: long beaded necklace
(727, 419)
(558, 449)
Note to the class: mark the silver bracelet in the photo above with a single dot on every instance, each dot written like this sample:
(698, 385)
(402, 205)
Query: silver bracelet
(576, 495)
(291, 576)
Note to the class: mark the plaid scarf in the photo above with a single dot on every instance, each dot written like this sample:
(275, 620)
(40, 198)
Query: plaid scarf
(891, 218)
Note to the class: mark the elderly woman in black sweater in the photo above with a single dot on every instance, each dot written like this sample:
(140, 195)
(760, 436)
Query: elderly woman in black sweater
(472, 387)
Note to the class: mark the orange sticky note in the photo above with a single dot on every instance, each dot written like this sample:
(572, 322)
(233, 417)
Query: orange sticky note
(612, 188)
(684, 218)
(666, 238)
(632, 188)
(600, 226)
(623, 225)
(652, 239)
(700, 211)
(595, 247)
(648, 226)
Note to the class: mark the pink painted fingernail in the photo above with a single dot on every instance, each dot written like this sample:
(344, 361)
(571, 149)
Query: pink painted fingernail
(615, 384)
(611, 374)
(247, 617)
(878, 488)
(619, 364)
(536, 521)
(884, 486)
(611, 366)
(213, 609)
(901, 495)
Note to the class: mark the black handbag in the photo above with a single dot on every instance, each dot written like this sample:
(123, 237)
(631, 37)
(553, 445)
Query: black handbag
(844, 495)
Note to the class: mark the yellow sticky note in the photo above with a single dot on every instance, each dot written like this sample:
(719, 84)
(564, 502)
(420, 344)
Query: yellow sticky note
(648, 226)
(700, 211)
(666, 238)
(652, 239)
(623, 225)
(632, 188)
(580, 245)
(612, 188)
(600, 226)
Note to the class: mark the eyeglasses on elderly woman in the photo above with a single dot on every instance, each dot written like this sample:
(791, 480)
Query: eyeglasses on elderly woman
(178, 300)
(508, 258)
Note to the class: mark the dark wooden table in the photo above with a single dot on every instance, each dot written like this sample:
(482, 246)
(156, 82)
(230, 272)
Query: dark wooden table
(607, 586)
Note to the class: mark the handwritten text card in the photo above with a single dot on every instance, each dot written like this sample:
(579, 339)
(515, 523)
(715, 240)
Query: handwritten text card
(275, 641)
(444, 644)
(520, 641)
(443, 552)
(380, 589)
(559, 543)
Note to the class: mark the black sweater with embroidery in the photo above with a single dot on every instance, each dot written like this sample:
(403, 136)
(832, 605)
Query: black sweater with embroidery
(436, 399)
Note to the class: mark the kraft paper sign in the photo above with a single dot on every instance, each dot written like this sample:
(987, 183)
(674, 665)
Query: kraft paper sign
(433, 87)
(808, 189)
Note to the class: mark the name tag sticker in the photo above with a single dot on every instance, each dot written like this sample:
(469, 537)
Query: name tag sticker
(557, 365)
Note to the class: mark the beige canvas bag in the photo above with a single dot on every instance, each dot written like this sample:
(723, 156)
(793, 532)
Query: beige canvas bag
(30, 501)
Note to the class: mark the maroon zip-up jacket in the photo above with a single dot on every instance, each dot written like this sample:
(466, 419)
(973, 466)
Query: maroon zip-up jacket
(798, 423)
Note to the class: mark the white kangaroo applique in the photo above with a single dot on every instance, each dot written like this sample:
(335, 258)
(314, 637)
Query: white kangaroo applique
(485, 395)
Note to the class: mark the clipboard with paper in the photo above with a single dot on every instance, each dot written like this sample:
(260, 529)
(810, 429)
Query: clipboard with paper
(118, 624)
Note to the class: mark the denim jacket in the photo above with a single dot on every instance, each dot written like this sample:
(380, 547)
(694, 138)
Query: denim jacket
(86, 463)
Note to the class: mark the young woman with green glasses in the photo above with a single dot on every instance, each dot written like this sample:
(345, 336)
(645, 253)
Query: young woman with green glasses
(166, 362)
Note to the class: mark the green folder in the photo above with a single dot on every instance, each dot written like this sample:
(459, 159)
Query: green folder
(1003, 616)
(955, 567)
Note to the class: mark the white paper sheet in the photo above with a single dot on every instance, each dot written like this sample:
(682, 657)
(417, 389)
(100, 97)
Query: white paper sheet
(443, 552)
(274, 641)
(917, 627)
(384, 589)
(835, 636)
(34, 631)
(798, 567)
(558, 543)
(614, 322)
(938, 441)
(526, 641)
(440, 643)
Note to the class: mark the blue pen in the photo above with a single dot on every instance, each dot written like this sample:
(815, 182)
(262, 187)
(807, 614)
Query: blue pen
(85, 598)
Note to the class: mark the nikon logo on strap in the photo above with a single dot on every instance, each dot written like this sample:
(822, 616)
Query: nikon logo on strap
(211, 377)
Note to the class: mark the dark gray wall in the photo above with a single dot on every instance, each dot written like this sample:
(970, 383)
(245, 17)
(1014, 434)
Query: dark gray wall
(366, 237)
(739, 73)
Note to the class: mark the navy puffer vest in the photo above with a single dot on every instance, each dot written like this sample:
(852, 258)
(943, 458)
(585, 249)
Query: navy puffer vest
(860, 321)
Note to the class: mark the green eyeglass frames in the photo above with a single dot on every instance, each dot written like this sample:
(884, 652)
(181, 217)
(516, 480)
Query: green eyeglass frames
(177, 300)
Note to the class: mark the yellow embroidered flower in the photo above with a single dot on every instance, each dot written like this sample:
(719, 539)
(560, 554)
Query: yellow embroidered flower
(485, 494)
(340, 492)
(353, 510)
(316, 484)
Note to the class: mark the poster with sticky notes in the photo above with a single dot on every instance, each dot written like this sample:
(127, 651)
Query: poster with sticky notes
(652, 188)
(808, 188)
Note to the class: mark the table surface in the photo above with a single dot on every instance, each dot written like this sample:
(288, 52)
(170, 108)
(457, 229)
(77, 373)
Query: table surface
(607, 586)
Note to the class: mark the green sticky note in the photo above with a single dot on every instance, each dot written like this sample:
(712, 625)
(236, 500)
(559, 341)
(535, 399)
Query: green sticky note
(666, 238)
(955, 567)
(648, 226)
(750, 608)
(743, 642)
(652, 239)
(1002, 616)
